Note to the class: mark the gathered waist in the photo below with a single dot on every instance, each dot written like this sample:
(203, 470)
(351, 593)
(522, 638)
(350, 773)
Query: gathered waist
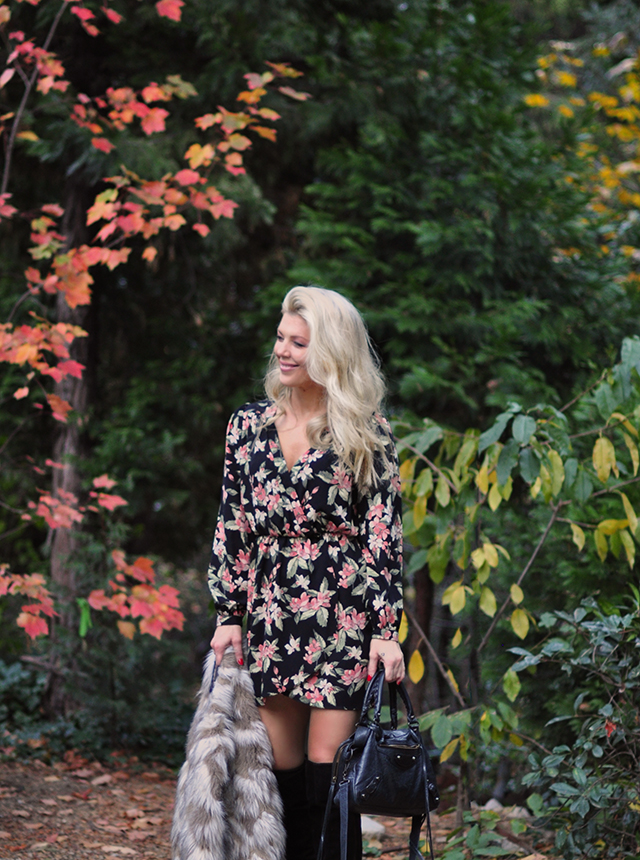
(306, 537)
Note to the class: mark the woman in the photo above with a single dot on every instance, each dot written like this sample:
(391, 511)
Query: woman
(308, 546)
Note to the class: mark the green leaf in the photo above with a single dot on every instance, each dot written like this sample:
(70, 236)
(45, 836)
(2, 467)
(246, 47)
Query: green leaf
(523, 428)
(443, 493)
(494, 433)
(583, 487)
(507, 460)
(511, 685)
(424, 482)
(529, 465)
(441, 733)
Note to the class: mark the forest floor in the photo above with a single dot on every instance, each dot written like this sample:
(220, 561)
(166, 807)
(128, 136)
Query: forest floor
(77, 810)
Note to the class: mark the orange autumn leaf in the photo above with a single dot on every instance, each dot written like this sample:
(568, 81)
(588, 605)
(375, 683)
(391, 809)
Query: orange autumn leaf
(127, 628)
(102, 144)
(105, 500)
(59, 407)
(104, 481)
(33, 625)
(154, 120)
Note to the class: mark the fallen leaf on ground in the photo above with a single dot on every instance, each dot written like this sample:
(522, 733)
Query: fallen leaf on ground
(4, 834)
(134, 812)
(51, 779)
(82, 773)
(22, 813)
(33, 826)
(117, 849)
(102, 780)
(49, 802)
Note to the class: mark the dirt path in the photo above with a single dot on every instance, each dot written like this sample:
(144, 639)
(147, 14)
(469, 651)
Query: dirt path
(76, 810)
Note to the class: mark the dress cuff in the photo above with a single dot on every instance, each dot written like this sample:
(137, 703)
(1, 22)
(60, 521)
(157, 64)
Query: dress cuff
(224, 619)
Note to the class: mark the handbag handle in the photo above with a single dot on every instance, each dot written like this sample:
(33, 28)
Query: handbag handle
(373, 699)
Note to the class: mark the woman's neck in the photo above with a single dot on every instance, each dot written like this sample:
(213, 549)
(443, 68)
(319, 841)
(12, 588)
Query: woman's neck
(306, 403)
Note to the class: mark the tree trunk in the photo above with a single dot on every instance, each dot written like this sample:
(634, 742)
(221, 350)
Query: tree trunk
(69, 448)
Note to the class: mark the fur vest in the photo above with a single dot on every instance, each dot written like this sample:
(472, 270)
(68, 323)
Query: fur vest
(227, 802)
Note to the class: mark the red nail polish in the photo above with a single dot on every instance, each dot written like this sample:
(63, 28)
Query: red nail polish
(241, 662)
(369, 677)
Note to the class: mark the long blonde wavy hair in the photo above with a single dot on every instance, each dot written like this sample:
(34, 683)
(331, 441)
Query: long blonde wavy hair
(340, 358)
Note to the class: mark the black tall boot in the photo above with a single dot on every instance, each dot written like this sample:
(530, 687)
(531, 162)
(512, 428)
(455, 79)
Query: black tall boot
(297, 815)
(318, 786)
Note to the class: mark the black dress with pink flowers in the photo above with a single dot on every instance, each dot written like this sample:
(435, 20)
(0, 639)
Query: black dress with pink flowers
(316, 566)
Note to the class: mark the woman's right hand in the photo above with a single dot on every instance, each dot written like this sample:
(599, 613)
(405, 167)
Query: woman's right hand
(225, 636)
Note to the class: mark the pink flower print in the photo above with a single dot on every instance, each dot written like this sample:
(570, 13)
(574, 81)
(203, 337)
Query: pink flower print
(273, 501)
(266, 650)
(259, 494)
(242, 455)
(305, 549)
(243, 559)
(346, 575)
(342, 479)
(312, 693)
(352, 676)
(312, 651)
(349, 619)
(300, 604)
(380, 529)
(375, 511)
(387, 617)
(321, 601)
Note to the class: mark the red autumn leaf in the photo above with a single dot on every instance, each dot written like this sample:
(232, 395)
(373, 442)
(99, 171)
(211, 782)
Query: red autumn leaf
(59, 407)
(152, 626)
(111, 502)
(154, 120)
(53, 209)
(142, 569)
(82, 13)
(21, 392)
(102, 144)
(294, 94)
(284, 69)
(33, 625)
(153, 93)
(112, 15)
(609, 727)
(170, 9)
(71, 368)
(104, 481)
(224, 209)
(206, 121)
(202, 229)
(141, 608)
(150, 253)
(187, 177)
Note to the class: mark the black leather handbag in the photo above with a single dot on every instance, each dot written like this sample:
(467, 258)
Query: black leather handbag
(383, 771)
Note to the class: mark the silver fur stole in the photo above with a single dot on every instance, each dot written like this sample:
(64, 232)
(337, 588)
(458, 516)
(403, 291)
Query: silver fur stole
(227, 802)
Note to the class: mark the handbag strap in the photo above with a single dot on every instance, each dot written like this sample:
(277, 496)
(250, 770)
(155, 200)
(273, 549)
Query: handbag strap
(373, 699)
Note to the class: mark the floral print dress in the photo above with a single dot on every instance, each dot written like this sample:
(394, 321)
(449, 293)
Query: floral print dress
(316, 567)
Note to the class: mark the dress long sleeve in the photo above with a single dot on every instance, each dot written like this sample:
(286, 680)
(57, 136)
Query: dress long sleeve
(231, 554)
(379, 517)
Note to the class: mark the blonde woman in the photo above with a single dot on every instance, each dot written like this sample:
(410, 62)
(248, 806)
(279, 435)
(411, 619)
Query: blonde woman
(308, 548)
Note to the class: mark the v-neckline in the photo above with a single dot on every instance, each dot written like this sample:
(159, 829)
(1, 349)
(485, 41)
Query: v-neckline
(302, 456)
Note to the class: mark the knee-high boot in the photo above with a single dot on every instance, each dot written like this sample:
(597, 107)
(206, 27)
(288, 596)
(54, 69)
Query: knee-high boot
(318, 786)
(297, 816)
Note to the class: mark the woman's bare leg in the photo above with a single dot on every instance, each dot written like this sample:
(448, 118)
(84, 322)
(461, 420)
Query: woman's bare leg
(327, 730)
(286, 721)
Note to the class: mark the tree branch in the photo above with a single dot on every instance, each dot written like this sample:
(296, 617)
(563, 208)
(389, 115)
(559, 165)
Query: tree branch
(527, 567)
(436, 659)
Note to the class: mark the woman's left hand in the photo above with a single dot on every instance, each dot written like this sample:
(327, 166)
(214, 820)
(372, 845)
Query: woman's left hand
(388, 652)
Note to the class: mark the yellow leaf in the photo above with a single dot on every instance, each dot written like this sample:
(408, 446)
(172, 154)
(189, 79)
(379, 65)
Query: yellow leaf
(449, 750)
(557, 472)
(419, 511)
(415, 669)
(536, 487)
(478, 558)
(482, 479)
(601, 544)
(618, 415)
(503, 551)
(633, 451)
(494, 498)
(517, 595)
(547, 484)
(488, 602)
(631, 514)
(609, 527)
(520, 622)
(403, 632)
(604, 458)
(457, 639)
(453, 681)
(578, 536)
(507, 489)
(515, 740)
(443, 494)
(629, 546)
(406, 473)
(126, 628)
(484, 573)
(490, 553)
(448, 592)
(458, 600)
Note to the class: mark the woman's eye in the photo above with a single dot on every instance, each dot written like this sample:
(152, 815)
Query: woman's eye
(299, 345)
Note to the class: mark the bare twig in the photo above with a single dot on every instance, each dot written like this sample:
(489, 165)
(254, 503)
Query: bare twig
(527, 567)
(435, 657)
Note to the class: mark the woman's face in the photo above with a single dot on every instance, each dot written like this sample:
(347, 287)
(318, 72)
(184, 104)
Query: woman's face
(292, 342)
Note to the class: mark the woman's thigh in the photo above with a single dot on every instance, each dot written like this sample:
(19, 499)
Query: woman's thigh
(327, 730)
(286, 721)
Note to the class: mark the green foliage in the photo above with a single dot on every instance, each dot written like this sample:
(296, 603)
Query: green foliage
(589, 786)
